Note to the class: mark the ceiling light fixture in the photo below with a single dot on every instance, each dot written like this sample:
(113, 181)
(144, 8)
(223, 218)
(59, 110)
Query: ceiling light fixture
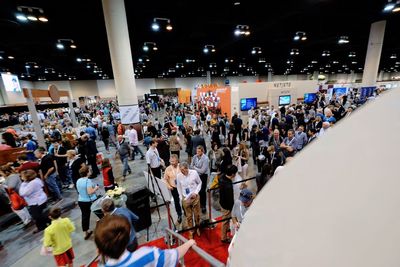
(326, 53)
(389, 6)
(209, 48)
(300, 36)
(155, 26)
(393, 56)
(148, 45)
(343, 40)
(256, 50)
(61, 43)
(26, 13)
(352, 54)
(294, 52)
(242, 30)
(11, 57)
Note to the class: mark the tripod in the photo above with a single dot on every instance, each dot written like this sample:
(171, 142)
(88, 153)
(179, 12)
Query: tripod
(153, 179)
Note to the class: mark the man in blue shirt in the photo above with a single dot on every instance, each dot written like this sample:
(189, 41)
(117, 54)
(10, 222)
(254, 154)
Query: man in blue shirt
(91, 131)
(30, 148)
(108, 208)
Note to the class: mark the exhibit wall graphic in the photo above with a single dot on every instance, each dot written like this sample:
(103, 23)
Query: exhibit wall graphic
(215, 97)
(129, 114)
(184, 96)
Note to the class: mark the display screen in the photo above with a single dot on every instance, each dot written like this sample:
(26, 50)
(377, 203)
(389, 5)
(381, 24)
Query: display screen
(11, 82)
(340, 91)
(247, 103)
(367, 92)
(284, 100)
(310, 98)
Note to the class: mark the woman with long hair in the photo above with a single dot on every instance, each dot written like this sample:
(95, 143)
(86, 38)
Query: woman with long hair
(243, 157)
(32, 191)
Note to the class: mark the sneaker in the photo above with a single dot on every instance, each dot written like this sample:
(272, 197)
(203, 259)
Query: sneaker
(204, 210)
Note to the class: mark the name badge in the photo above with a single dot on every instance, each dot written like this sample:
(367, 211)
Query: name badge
(187, 191)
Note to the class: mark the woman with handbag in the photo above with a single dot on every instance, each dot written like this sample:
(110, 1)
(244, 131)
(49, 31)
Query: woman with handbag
(11, 185)
(32, 191)
(86, 195)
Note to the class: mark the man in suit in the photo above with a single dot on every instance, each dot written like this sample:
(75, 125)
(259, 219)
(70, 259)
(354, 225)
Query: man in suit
(238, 126)
(196, 141)
(312, 133)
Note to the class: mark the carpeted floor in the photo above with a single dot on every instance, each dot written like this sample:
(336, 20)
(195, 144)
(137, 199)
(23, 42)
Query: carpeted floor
(209, 241)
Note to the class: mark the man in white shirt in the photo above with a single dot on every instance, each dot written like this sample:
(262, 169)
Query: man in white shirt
(189, 184)
(153, 159)
(134, 142)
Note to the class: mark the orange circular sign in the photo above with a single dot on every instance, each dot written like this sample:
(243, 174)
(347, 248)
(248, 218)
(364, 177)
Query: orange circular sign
(54, 93)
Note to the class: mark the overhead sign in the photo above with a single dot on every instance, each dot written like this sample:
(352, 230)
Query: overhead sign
(282, 85)
(129, 114)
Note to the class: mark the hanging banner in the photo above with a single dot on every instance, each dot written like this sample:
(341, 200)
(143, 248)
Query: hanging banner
(129, 114)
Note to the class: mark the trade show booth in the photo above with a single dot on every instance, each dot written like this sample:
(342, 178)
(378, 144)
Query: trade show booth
(214, 97)
(270, 93)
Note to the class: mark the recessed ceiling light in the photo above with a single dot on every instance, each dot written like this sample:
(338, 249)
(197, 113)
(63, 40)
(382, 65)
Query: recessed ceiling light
(236, 3)
(10, 57)
(155, 26)
(60, 46)
(72, 46)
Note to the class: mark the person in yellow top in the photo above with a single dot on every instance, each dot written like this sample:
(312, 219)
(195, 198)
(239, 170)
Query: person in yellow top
(57, 237)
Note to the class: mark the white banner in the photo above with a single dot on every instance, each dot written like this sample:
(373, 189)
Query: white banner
(129, 114)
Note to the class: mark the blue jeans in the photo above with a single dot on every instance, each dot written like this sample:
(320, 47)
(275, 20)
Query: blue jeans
(136, 149)
(51, 182)
(124, 160)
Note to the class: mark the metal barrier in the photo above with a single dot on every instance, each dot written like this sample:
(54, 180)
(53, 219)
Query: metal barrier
(207, 257)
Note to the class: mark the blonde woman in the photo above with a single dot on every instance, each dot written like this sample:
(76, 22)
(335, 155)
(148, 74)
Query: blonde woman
(243, 159)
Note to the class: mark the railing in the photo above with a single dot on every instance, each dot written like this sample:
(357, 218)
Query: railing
(207, 257)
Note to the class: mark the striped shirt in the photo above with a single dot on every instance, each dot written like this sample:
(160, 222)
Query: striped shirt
(146, 257)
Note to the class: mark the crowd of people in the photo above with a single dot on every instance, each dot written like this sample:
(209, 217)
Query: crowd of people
(220, 154)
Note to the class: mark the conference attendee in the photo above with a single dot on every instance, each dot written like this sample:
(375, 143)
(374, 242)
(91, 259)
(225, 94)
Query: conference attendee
(105, 136)
(317, 125)
(188, 141)
(134, 142)
(324, 129)
(301, 138)
(174, 144)
(9, 139)
(108, 175)
(312, 135)
(88, 151)
(153, 159)
(108, 208)
(91, 132)
(226, 200)
(170, 175)
(276, 140)
(25, 164)
(86, 195)
(60, 157)
(215, 135)
(74, 164)
(30, 147)
(215, 157)
(238, 126)
(163, 147)
(189, 184)
(264, 176)
(197, 140)
(11, 185)
(232, 137)
(47, 171)
(243, 155)
(123, 152)
(226, 159)
(112, 236)
(31, 189)
(200, 164)
(289, 145)
(241, 207)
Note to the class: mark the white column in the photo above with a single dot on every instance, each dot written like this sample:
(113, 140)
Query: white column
(120, 51)
(208, 77)
(72, 111)
(35, 119)
(269, 79)
(374, 51)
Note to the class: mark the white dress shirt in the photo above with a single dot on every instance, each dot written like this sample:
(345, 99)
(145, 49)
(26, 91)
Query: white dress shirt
(153, 158)
(133, 138)
(188, 185)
